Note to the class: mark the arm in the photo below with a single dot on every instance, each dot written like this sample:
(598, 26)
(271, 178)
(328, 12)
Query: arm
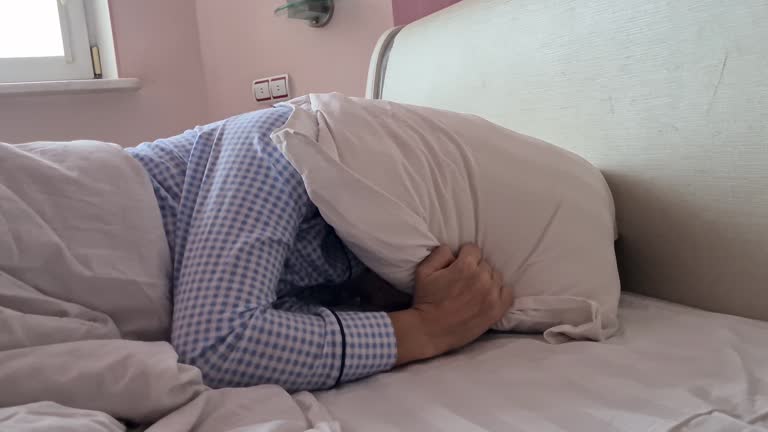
(233, 241)
(226, 322)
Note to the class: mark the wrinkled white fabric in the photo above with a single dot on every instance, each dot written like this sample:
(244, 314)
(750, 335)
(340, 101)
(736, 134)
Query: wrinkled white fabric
(30, 318)
(137, 381)
(79, 224)
(669, 368)
(142, 382)
(264, 408)
(49, 416)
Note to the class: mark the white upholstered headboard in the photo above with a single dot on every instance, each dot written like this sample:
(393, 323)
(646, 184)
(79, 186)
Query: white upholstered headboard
(668, 98)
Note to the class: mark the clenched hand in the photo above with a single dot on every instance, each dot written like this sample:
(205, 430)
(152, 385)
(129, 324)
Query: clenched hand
(455, 300)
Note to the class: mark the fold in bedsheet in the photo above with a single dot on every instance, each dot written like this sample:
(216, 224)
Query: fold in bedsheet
(90, 382)
(258, 409)
(265, 408)
(47, 416)
(670, 368)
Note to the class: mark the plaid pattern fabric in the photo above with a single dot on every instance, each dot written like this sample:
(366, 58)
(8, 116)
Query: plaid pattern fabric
(245, 240)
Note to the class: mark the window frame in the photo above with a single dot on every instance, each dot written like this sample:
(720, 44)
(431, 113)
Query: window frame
(76, 64)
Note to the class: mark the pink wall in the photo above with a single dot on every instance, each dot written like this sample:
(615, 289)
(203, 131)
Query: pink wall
(196, 61)
(156, 41)
(242, 40)
(407, 11)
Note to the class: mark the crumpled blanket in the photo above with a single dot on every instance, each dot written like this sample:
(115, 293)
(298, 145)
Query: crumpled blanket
(85, 307)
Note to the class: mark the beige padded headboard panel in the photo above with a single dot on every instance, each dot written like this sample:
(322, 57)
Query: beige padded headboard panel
(668, 98)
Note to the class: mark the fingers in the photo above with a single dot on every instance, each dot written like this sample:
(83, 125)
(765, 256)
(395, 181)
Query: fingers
(469, 258)
(507, 297)
(484, 271)
(497, 277)
(505, 294)
(440, 258)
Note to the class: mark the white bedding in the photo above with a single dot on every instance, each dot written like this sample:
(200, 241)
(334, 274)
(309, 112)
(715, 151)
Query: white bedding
(670, 368)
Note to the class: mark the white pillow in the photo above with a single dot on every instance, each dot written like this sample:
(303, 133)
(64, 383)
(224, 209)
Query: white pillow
(396, 181)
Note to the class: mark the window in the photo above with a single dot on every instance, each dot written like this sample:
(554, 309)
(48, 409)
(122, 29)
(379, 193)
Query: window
(44, 40)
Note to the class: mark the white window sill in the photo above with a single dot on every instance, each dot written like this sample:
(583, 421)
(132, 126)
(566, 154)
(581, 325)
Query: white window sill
(75, 86)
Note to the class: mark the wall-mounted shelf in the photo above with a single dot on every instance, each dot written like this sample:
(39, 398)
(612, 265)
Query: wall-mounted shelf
(316, 12)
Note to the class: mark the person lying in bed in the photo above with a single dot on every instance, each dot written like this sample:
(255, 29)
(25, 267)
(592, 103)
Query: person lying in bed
(257, 272)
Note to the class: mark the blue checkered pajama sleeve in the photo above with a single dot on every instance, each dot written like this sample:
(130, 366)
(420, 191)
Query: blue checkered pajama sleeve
(245, 237)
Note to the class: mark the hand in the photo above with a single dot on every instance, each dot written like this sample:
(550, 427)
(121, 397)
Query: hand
(455, 301)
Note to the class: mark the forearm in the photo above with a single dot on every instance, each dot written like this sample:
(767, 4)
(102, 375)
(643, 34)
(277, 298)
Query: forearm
(301, 348)
(422, 336)
(413, 343)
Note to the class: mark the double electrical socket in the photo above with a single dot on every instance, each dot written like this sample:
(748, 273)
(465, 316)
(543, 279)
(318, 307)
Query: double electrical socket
(271, 88)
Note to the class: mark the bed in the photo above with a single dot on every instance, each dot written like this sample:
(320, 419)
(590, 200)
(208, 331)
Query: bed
(670, 101)
(671, 368)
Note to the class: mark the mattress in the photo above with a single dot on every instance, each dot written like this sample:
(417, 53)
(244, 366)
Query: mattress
(670, 368)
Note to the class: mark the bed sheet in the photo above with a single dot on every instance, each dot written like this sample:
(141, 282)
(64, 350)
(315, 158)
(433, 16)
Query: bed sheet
(670, 368)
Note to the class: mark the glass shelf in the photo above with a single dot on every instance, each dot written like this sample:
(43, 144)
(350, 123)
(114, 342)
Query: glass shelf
(316, 12)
